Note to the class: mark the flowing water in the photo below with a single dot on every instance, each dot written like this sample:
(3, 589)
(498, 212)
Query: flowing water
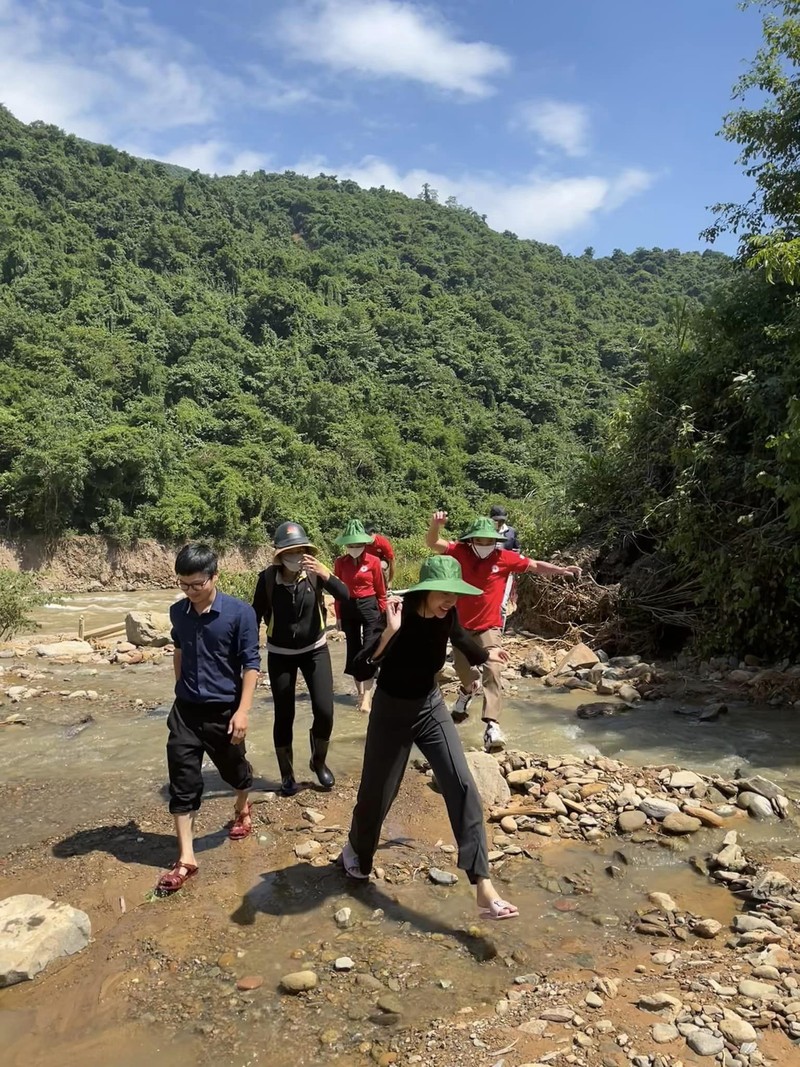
(104, 756)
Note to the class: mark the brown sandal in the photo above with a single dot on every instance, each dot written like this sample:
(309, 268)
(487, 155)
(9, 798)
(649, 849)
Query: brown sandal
(239, 830)
(172, 880)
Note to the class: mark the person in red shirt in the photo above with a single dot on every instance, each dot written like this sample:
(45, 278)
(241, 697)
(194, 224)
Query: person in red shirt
(488, 567)
(382, 548)
(360, 617)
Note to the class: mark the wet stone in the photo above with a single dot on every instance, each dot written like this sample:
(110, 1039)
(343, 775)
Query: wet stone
(250, 982)
(299, 982)
(439, 877)
(629, 821)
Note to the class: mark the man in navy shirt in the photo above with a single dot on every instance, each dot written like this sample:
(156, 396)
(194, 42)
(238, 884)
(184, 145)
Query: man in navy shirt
(216, 670)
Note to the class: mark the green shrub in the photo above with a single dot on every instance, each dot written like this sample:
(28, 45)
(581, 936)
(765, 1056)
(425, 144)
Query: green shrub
(19, 595)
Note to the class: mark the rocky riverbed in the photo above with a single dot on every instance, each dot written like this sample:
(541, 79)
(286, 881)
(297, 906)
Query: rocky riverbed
(660, 910)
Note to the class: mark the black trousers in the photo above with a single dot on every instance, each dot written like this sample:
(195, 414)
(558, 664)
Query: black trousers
(362, 623)
(315, 666)
(394, 726)
(196, 730)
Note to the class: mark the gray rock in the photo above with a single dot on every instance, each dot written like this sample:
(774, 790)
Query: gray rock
(704, 1043)
(148, 628)
(35, 931)
(629, 694)
(307, 850)
(757, 806)
(684, 780)
(763, 786)
(342, 917)
(747, 923)
(299, 982)
(592, 1000)
(442, 877)
(66, 649)
(554, 803)
(344, 963)
(625, 661)
(659, 1002)
(491, 784)
(678, 823)
(390, 1005)
(757, 990)
(655, 808)
(730, 858)
(629, 821)
(664, 1033)
(558, 1015)
(707, 928)
(736, 1030)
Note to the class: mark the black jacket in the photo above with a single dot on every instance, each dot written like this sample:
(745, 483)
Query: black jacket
(294, 614)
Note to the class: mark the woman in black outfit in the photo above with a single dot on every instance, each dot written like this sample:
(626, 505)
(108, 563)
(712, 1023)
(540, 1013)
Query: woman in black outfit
(289, 598)
(409, 709)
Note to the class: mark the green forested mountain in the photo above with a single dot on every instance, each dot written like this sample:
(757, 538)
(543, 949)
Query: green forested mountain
(187, 355)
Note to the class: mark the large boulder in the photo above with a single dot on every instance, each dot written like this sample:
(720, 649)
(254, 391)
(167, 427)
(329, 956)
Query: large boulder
(65, 649)
(149, 628)
(34, 931)
(579, 656)
(491, 784)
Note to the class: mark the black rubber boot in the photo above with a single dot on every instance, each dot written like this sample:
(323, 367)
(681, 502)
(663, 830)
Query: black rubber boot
(319, 750)
(285, 766)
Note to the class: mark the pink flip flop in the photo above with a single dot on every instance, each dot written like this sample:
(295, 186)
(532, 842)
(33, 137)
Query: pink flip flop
(499, 909)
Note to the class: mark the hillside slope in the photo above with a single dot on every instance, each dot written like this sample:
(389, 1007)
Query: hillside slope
(206, 356)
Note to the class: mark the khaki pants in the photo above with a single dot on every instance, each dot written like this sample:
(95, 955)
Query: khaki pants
(489, 673)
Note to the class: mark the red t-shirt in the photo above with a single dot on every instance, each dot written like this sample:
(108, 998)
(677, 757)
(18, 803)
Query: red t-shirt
(484, 612)
(381, 548)
(363, 577)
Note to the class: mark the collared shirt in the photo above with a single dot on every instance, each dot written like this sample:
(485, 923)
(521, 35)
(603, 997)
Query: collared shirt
(380, 547)
(363, 577)
(507, 538)
(484, 612)
(216, 647)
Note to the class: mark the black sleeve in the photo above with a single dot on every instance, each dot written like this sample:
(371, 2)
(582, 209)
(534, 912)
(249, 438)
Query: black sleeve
(336, 587)
(260, 598)
(364, 666)
(475, 653)
(515, 545)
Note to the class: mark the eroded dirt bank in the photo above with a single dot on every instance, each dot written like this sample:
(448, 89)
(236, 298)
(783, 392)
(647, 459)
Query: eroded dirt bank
(85, 563)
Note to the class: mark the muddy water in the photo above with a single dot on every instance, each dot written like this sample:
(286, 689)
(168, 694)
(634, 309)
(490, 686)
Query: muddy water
(258, 902)
(117, 757)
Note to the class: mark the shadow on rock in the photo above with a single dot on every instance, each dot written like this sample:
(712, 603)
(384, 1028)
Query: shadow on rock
(301, 888)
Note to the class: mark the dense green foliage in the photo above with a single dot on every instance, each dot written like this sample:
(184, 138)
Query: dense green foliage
(702, 464)
(184, 355)
(19, 596)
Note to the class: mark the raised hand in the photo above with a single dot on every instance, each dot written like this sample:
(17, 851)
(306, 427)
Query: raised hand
(394, 614)
(315, 566)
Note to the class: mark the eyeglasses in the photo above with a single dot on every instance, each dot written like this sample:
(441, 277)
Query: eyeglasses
(193, 587)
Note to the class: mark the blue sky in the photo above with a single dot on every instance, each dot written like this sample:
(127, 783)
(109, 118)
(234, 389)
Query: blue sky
(580, 122)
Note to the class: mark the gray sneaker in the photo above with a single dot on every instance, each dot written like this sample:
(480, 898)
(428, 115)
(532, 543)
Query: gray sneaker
(493, 739)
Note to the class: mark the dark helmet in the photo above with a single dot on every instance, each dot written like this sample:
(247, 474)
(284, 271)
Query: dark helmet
(498, 512)
(291, 535)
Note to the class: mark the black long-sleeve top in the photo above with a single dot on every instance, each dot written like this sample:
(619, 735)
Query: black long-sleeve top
(416, 654)
(294, 613)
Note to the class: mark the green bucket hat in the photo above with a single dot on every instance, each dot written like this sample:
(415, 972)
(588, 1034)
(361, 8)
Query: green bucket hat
(355, 534)
(442, 574)
(482, 527)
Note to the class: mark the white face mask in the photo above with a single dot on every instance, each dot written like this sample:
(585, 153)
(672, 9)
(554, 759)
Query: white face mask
(293, 561)
(355, 550)
(482, 551)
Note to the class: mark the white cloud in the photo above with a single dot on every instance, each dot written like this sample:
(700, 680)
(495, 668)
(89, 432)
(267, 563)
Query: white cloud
(538, 206)
(111, 73)
(391, 39)
(214, 157)
(558, 124)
